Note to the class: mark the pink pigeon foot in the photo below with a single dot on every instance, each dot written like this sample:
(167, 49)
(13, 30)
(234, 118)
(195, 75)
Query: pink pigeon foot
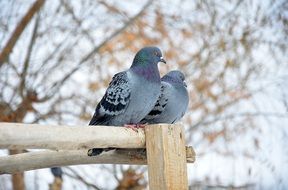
(131, 126)
(140, 126)
(134, 127)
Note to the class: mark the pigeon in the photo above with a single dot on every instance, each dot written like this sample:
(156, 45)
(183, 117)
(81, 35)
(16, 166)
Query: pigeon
(131, 94)
(172, 102)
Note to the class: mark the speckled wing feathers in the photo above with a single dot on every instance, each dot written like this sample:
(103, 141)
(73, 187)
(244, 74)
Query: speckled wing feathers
(172, 102)
(115, 100)
(159, 106)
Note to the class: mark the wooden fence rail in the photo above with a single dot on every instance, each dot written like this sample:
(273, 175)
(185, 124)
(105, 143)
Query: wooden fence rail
(161, 147)
(34, 136)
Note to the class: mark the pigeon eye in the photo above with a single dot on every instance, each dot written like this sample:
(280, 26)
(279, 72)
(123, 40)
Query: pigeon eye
(156, 53)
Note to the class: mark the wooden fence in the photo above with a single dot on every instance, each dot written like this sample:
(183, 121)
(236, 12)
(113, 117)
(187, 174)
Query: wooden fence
(161, 147)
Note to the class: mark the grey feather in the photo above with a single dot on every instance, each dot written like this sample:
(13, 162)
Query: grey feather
(115, 100)
(172, 102)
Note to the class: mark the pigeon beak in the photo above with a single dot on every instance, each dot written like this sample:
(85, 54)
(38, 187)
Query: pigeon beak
(162, 60)
(184, 83)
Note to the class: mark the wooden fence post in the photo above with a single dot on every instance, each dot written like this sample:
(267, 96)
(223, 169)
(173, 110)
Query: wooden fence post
(166, 157)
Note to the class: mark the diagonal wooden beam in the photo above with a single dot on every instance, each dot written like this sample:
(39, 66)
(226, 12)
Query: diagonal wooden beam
(49, 158)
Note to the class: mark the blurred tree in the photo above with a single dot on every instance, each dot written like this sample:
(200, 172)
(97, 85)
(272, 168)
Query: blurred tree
(62, 60)
(130, 180)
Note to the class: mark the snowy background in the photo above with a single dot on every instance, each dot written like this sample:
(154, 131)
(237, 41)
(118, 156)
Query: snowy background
(234, 56)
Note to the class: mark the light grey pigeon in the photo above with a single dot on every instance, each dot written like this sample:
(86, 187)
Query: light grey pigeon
(172, 102)
(132, 93)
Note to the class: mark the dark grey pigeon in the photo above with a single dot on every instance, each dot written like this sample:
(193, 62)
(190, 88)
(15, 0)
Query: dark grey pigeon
(131, 94)
(172, 102)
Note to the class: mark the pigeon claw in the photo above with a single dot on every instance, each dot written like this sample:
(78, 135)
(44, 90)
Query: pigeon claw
(141, 126)
(131, 126)
(135, 127)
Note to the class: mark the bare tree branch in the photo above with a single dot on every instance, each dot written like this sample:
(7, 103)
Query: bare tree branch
(79, 177)
(57, 85)
(27, 59)
(19, 29)
(236, 115)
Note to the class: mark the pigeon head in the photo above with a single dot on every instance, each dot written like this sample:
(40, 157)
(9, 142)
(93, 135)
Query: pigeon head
(148, 56)
(145, 63)
(175, 77)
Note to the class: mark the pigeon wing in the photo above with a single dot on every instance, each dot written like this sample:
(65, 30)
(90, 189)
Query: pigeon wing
(159, 106)
(115, 100)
